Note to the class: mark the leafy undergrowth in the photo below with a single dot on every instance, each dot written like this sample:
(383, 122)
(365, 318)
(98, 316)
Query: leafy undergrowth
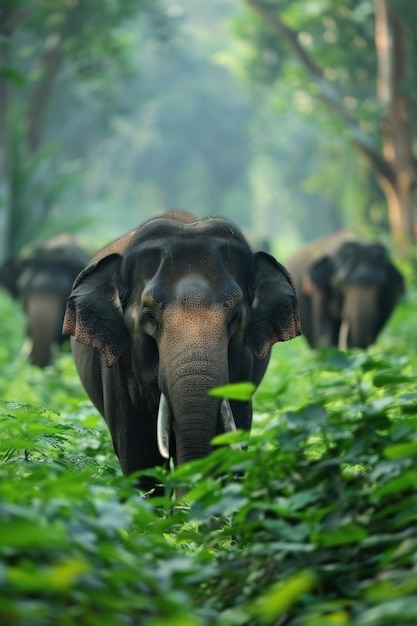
(314, 524)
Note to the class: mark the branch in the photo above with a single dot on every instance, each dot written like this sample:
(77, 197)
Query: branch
(327, 92)
(272, 18)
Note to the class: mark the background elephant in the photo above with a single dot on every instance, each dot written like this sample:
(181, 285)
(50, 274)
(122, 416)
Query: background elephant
(163, 314)
(346, 290)
(41, 277)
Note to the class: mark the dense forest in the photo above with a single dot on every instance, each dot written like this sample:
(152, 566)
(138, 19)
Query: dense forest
(294, 119)
(290, 125)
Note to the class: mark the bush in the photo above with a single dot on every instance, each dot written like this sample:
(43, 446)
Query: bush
(313, 525)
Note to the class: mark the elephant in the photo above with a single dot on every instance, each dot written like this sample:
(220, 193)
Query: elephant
(168, 311)
(41, 277)
(347, 289)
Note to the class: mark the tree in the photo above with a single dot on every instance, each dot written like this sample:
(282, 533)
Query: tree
(38, 41)
(344, 50)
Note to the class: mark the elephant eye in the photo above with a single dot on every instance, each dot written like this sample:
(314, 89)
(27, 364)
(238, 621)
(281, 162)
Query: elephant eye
(148, 322)
(235, 322)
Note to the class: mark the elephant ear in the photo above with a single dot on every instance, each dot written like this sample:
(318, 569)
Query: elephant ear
(94, 314)
(396, 280)
(391, 291)
(10, 273)
(274, 313)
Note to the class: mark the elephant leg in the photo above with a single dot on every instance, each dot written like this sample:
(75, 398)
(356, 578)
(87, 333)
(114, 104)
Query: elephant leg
(131, 421)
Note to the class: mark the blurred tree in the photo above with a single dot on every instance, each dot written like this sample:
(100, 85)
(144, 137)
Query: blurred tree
(295, 182)
(186, 132)
(360, 59)
(39, 40)
(188, 144)
(181, 130)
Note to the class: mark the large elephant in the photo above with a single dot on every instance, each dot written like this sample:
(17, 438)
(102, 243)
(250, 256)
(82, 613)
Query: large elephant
(41, 277)
(163, 314)
(346, 290)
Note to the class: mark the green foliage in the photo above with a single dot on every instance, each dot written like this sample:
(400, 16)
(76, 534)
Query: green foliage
(235, 391)
(181, 129)
(314, 524)
(57, 56)
(338, 37)
(36, 183)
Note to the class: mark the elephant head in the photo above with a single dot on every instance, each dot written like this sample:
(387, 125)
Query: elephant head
(41, 277)
(162, 315)
(351, 292)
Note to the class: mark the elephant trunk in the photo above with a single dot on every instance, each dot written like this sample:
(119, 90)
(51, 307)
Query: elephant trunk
(188, 415)
(44, 319)
(195, 426)
(359, 317)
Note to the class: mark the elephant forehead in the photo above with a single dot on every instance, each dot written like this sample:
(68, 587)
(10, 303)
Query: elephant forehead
(207, 256)
(164, 228)
(192, 321)
(188, 250)
(192, 289)
(199, 290)
(359, 295)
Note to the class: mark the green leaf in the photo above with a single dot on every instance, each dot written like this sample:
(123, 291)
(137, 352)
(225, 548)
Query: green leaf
(350, 533)
(279, 598)
(401, 450)
(230, 438)
(30, 578)
(12, 75)
(26, 533)
(407, 480)
(234, 391)
(391, 377)
(334, 359)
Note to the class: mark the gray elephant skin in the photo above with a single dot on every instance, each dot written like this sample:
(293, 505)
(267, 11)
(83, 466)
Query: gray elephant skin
(346, 288)
(41, 278)
(163, 314)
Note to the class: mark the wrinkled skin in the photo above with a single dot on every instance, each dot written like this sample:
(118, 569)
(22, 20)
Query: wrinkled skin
(172, 309)
(346, 290)
(41, 278)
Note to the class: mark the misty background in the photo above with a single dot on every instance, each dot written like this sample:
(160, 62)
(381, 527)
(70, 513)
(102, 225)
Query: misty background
(110, 118)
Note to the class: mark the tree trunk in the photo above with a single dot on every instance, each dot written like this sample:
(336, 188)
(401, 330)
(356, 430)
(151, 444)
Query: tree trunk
(399, 187)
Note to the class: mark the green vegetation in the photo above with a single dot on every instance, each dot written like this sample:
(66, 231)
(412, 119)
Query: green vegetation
(314, 524)
(109, 118)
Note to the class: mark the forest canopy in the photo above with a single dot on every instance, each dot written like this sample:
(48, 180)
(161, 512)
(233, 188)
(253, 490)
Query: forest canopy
(283, 116)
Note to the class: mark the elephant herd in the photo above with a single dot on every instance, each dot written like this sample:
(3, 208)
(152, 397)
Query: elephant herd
(180, 305)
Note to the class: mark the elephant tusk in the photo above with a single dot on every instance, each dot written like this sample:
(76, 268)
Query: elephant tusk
(227, 416)
(163, 427)
(228, 420)
(343, 335)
